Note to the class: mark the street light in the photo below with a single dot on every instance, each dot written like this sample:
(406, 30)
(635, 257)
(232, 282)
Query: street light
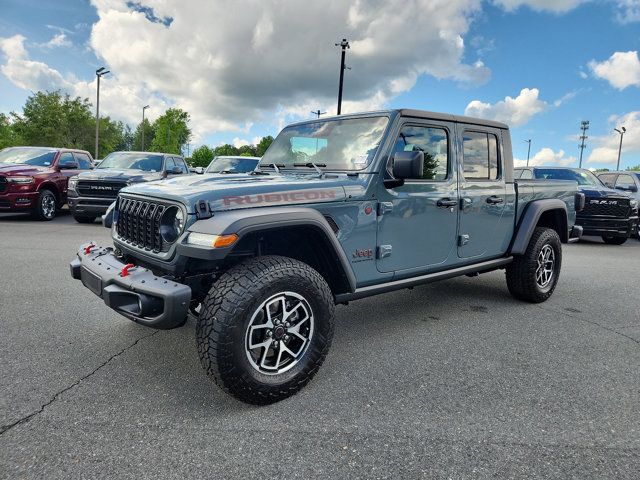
(528, 151)
(622, 131)
(142, 127)
(343, 45)
(99, 73)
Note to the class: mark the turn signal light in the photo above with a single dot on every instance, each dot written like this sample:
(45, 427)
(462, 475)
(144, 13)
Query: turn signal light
(208, 240)
(225, 240)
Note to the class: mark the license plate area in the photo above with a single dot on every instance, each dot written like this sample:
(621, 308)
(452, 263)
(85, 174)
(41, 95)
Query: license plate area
(92, 281)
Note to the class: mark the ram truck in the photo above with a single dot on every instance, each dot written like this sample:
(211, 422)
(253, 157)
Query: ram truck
(338, 209)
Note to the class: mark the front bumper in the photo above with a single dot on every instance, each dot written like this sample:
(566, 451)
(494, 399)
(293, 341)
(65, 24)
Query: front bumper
(614, 227)
(140, 296)
(575, 234)
(17, 200)
(91, 205)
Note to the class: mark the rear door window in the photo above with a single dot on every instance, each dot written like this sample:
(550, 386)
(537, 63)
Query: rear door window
(480, 156)
(84, 162)
(625, 181)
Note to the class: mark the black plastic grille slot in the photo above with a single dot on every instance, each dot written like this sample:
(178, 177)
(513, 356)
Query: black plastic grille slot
(593, 207)
(3, 184)
(139, 223)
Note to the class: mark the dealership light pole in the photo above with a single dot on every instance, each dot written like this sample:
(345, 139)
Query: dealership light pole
(318, 113)
(621, 131)
(344, 44)
(99, 73)
(142, 127)
(584, 126)
(528, 151)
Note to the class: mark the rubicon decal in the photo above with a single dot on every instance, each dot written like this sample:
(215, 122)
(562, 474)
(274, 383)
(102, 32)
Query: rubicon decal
(282, 198)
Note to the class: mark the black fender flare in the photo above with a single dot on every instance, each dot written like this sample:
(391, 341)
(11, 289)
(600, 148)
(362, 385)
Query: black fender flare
(245, 221)
(529, 221)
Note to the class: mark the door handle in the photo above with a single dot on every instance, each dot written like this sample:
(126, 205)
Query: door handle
(446, 203)
(494, 200)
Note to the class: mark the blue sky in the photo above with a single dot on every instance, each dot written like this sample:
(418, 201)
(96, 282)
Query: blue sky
(244, 73)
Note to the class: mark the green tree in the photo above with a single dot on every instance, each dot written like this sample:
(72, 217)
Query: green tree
(149, 134)
(225, 150)
(201, 156)
(634, 168)
(263, 144)
(171, 131)
(8, 136)
(247, 151)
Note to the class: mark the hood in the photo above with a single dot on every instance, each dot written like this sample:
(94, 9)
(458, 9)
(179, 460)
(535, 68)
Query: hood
(591, 191)
(108, 174)
(231, 192)
(10, 169)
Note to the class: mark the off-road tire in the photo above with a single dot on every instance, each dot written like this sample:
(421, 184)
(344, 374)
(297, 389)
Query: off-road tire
(40, 211)
(80, 218)
(521, 273)
(614, 240)
(226, 313)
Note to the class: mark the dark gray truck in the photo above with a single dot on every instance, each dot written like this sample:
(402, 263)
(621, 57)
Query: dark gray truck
(338, 209)
(91, 193)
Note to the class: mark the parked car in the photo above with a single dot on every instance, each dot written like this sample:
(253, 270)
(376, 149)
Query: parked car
(90, 193)
(229, 164)
(626, 181)
(338, 209)
(608, 213)
(35, 179)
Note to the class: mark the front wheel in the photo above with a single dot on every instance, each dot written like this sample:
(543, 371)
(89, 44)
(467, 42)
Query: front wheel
(46, 205)
(614, 240)
(533, 276)
(265, 328)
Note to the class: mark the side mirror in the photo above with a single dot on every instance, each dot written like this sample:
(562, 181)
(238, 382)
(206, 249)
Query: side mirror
(408, 165)
(68, 166)
(174, 171)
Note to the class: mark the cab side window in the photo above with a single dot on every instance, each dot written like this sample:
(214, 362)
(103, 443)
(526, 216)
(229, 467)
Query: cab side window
(608, 179)
(169, 164)
(480, 157)
(625, 181)
(181, 164)
(525, 174)
(433, 142)
(84, 162)
(66, 159)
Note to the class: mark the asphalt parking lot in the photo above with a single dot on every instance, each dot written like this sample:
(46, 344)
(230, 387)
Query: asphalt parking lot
(451, 380)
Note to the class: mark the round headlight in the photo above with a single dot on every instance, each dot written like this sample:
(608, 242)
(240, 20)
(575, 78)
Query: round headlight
(171, 224)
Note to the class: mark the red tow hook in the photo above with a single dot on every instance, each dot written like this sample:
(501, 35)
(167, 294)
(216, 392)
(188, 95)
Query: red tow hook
(125, 270)
(87, 249)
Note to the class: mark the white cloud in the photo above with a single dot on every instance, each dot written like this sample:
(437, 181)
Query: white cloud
(565, 98)
(621, 70)
(556, 6)
(512, 111)
(58, 40)
(628, 11)
(547, 157)
(239, 142)
(606, 150)
(229, 63)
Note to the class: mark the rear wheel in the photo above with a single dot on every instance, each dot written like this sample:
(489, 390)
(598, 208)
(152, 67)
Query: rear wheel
(265, 328)
(533, 276)
(46, 206)
(84, 218)
(614, 240)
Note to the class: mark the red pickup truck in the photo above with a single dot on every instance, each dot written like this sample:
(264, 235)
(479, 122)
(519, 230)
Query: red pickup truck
(34, 179)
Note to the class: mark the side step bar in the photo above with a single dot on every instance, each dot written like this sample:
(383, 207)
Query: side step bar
(369, 291)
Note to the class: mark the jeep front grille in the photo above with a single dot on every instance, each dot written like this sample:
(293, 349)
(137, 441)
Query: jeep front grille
(139, 223)
(93, 188)
(605, 207)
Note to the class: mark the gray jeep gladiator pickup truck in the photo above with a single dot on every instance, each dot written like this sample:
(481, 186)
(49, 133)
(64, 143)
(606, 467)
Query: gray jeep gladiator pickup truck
(338, 209)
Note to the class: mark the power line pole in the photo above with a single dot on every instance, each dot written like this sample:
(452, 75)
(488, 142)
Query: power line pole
(318, 113)
(528, 151)
(99, 73)
(142, 128)
(343, 45)
(584, 126)
(622, 131)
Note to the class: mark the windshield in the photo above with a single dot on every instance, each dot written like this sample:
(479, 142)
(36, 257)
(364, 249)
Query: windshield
(132, 161)
(583, 177)
(232, 165)
(342, 144)
(39, 157)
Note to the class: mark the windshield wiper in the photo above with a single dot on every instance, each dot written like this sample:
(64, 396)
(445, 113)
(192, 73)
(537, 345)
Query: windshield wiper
(312, 165)
(276, 166)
